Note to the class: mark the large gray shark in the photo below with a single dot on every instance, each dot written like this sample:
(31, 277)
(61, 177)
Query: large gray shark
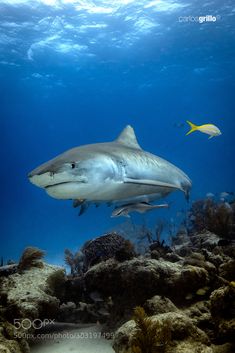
(114, 172)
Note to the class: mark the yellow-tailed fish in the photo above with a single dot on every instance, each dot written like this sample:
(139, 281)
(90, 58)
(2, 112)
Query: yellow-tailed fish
(208, 129)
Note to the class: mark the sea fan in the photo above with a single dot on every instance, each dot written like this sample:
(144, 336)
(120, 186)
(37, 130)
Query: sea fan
(30, 258)
(74, 261)
(218, 218)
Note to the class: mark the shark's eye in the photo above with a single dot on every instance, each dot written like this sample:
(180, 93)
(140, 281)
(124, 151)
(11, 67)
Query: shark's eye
(73, 165)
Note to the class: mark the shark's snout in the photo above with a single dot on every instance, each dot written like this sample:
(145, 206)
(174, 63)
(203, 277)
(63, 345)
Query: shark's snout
(47, 176)
(42, 169)
(40, 180)
(32, 173)
(44, 174)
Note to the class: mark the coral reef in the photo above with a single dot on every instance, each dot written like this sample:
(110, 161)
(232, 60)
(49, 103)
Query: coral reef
(182, 283)
(227, 270)
(175, 330)
(27, 295)
(217, 217)
(159, 305)
(147, 277)
(8, 342)
(84, 312)
(183, 295)
(102, 248)
(111, 245)
(7, 270)
(222, 305)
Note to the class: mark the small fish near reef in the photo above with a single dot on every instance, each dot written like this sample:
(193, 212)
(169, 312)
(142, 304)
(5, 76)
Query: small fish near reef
(210, 195)
(141, 207)
(119, 172)
(208, 129)
(226, 194)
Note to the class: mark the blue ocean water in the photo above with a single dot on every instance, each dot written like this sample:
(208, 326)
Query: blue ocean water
(77, 72)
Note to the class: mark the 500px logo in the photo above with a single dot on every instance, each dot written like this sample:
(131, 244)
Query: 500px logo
(26, 324)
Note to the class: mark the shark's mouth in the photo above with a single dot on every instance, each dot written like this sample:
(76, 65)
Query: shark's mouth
(65, 183)
(56, 184)
(67, 190)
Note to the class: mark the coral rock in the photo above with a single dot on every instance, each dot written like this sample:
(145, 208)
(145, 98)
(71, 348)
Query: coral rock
(205, 240)
(146, 277)
(102, 248)
(189, 346)
(200, 315)
(224, 348)
(159, 305)
(182, 328)
(222, 311)
(227, 270)
(27, 293)
(8, 341)
(124, 336)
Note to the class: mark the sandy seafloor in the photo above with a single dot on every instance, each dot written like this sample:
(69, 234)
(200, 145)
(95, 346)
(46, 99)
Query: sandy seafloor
(74, 340)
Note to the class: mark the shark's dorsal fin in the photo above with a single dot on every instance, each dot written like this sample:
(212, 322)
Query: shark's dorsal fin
(127, 137)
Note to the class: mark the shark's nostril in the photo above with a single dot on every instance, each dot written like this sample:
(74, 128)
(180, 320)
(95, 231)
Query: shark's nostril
(51, 174)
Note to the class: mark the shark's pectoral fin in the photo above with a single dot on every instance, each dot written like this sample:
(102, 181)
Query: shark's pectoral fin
(151, 183)
(83, 208)
(77, 202)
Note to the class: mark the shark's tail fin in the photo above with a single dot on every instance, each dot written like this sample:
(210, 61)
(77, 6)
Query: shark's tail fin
(193, 127)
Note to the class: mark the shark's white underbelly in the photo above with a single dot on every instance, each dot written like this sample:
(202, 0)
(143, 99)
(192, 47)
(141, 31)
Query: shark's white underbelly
(107, 191)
